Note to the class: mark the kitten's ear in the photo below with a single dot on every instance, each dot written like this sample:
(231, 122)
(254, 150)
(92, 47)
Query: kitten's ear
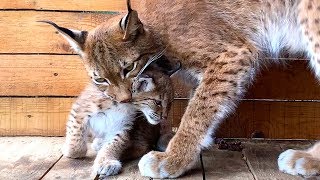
(166, 66)
(75, 38)
(131, 24)
(146, 84)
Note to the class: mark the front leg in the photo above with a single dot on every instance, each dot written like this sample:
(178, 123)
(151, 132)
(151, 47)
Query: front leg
(75, 145)
(216, 96)
(107, 162)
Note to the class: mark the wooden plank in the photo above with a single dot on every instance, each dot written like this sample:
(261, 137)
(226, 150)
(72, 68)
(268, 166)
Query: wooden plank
(262, 159)
(64, 75)
(67, 5)
(47, 117)
(222, 164)
(41, 75)
(276, 120)
(293, 81)
(28, 157)
(19, 29)
(34, 116)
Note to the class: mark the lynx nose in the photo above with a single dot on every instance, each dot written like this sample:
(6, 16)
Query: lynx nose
(125, 98)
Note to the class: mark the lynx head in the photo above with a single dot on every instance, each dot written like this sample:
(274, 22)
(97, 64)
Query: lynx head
(115, 52)
(153, 92)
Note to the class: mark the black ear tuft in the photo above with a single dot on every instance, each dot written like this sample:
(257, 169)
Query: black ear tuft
(131, 24)
(166, 66)
(76, 38)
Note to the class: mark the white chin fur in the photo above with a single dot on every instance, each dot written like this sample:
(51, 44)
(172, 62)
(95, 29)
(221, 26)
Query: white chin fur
(153, 122)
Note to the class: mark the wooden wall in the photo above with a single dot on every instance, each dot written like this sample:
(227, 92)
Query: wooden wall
(40, 77)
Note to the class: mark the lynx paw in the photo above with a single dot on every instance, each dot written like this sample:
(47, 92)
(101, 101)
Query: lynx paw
(308, 167)
(298, 163)
(107, 167)
(74, 151)
(152, 164)
(163, 165)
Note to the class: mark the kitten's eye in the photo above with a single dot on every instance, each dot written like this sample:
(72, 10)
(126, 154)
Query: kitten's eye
(158, 103)
(101, 81)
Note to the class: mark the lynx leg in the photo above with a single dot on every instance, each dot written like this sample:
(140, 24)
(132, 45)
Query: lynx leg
(306, 163)
(75, 145)
(107, 161)
(215, 97)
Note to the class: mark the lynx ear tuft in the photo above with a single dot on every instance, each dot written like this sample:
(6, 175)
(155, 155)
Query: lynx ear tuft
(131, 24)
(75, 38)
(166, 66)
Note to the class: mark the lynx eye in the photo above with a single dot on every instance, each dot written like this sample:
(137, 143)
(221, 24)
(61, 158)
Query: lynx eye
(129, 68)
(101, 81)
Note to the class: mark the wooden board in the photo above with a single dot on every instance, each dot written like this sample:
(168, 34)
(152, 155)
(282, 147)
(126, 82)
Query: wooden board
(34, 116)
(22, 34)
(67, 5)
(293, 81)
(47, 117)
(64, 75)
(41, 75)
(222, 164)
(262, 160)
(291, 120)
(28, 157)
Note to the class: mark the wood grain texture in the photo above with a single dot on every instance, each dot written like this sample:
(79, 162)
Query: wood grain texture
(41, 75)
(67, 5)
(21, 33)
(276, 120)
(221, 164)
(34, 116)
(64, 75)
(28, 157)
(262, 158)
(47, 117)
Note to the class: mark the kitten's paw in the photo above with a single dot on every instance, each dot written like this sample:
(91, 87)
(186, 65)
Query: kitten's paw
(106, 167)
(163, 165)
(73, 151)
(308, 167)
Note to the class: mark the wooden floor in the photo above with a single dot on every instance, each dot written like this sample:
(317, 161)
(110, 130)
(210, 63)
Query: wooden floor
(40, 158)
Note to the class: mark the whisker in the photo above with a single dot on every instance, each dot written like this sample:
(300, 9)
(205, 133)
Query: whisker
(151, 60)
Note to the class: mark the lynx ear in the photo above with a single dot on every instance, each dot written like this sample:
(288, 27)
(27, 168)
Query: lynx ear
(75, 38)
(130, 23)
(166, 66)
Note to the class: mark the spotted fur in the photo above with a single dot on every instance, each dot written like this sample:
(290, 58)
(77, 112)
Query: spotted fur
(120, 131)
(221, 45)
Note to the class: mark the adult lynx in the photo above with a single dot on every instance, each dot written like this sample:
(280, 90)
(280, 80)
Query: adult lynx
(221, 44)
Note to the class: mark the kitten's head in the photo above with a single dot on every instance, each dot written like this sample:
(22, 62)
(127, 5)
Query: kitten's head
(153, 94)
(115, 52)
